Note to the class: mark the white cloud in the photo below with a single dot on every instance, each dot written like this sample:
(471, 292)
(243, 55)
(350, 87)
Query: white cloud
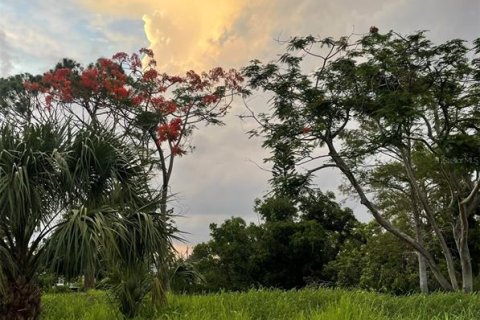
(6, 65)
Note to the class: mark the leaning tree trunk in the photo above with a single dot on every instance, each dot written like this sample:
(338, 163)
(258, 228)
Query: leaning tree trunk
(422, 265)
(22, 301)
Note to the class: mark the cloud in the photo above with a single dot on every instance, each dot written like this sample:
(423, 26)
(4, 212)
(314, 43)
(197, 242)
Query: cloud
(40, 33)
(6, 64)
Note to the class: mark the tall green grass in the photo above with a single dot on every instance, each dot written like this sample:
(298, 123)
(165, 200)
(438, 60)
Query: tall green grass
(274, 304)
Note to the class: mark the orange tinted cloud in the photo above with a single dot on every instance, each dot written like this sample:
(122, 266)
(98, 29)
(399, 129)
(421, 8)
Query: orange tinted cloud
(193, 35)
(200, 34)
(123, 8)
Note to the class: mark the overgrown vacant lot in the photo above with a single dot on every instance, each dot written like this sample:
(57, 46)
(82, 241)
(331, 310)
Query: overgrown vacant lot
(304, 304)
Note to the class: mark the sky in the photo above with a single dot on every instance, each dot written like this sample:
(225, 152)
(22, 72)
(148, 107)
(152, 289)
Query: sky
(223, 175)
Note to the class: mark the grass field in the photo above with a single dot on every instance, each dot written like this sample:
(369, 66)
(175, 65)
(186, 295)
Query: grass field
(303, 304)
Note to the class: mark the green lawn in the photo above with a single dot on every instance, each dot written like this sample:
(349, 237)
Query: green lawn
(303, 304)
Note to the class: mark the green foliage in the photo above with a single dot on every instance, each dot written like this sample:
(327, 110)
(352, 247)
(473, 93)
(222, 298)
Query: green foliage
(71, 201)
(289, 250)
(276, 209)
(382, 100)
(14, 99)
(47, 281)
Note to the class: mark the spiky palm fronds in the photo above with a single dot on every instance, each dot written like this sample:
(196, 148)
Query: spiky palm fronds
(73, 201)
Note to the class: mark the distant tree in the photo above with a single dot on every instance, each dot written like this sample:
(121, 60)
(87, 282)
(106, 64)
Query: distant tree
(380, 262)
(289, 250)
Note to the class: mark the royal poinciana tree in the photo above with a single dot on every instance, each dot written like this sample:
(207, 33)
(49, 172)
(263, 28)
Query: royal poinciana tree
(157, 111)
(379, 100)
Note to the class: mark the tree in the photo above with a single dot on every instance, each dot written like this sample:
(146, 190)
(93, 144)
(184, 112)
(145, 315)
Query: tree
(378, 100)
(68, 198)
(155, 111)
(289, 250)
(380, 262)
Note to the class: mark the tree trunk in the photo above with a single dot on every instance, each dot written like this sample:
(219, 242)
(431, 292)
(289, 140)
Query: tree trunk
(22, 301)
(431, 219)
(89, 280)
(422, 266)
(461, 239)
(444, 283)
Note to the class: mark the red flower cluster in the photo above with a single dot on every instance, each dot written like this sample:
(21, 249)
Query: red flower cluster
(120, 56)
(233, 79)
(31, 86)
(59, 83)
(124, 80)
(210, 98)
(89, 79)
(164, 106)
(151, 74)
(175, 79)
(177, 151)
(121, 92)
(111, 78)
(216, 73)
(137, 100)
(169, 131)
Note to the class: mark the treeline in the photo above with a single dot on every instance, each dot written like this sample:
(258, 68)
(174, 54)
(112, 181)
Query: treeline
(314, 242)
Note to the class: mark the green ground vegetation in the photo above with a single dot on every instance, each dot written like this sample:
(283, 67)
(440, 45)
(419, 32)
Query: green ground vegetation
(274, 304)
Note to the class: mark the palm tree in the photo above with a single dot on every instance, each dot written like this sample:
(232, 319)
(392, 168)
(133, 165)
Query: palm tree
(70, 199)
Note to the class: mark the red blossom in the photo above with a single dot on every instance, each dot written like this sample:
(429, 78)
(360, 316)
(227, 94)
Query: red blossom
(89, 79)
(151, 74)
(177, 151)
(121, 92)
(66, 93)
(57, 77)
(137, 100)
(175, 79)
(160, 91)
(306, 130)
(164, 106)
(157, 102)
(170, 131)
(152, 63)
(210, 98)
(31, 86)
(176, 123)
(195, 80)
(233, 79)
